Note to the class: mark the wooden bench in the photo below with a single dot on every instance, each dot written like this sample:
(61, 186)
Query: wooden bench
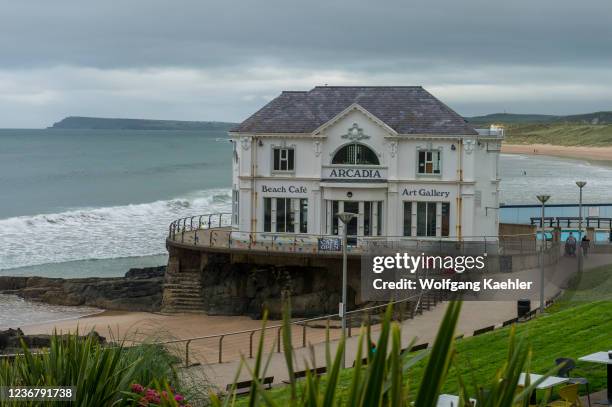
(244, 387)
(483, 330)
(529, 315)
(302, 373)
(364, 362)
(418, 347)
(415, 348)
(510, 322)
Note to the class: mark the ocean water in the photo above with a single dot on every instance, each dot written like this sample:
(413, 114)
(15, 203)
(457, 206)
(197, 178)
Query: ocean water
(78, 203)
(94, 202)
(524, 177)
(15, 312)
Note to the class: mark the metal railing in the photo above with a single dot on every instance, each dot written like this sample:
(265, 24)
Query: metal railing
(198, 222)
(303, 323)
(214, 231)
(418, 302)
(573, 221)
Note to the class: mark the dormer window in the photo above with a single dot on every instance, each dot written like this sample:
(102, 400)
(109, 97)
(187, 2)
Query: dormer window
(355, 154)
(284, 159)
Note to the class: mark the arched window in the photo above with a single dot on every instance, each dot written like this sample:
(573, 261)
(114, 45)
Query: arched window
(355, 154)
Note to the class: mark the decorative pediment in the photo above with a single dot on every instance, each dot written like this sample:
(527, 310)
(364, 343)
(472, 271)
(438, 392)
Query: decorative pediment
(355, 133)
(348, 110)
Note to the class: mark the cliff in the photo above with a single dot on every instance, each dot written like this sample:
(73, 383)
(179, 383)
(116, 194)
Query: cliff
(99, 123)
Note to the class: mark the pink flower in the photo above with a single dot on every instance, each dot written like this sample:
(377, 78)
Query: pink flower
(178, 398)
(152, 396)
(137, 388)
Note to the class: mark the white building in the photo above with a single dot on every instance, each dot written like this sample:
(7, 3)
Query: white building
(398, 157)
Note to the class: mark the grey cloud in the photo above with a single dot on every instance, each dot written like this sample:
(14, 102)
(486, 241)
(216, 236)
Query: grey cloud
(221, 60)
(204, 33)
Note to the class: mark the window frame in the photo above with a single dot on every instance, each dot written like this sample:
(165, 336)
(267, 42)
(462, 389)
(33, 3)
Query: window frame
(280, 215)
(355, 154)
(432, 162)
(303, 209)
(289, 159)
(426, 220)
(407, 218)
(235, 206)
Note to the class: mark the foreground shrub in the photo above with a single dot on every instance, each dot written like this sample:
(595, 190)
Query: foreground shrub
(100, 374)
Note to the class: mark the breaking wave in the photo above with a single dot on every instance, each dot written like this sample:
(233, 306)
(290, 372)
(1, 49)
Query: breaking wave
(100, 233)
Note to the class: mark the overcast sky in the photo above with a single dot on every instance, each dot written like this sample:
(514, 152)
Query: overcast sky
(222, 60)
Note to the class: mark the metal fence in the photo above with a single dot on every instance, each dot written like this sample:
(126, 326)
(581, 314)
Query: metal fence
(215, 231)
(361, 315)
(304, 331)
(198, 222)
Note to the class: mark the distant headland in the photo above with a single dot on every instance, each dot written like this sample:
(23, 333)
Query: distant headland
(100, 123)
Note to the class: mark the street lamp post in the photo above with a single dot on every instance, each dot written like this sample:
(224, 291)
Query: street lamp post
(581, 185)
(542, 199)
(345, 218)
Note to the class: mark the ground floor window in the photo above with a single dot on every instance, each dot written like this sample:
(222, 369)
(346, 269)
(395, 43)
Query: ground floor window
(285, 215)
(445, 219)
(407, 218)
(235, 206)
(303, 215)
(429, 217)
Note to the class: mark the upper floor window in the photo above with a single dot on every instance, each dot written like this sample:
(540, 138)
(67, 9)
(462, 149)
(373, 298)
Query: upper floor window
(429, 162)
(284, 159)
(355, 154)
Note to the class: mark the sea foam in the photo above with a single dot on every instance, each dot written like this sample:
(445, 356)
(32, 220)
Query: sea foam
(100, 233)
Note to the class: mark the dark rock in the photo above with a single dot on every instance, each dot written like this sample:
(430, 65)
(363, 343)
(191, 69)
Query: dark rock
(10, 340)
(139, 290)
(242, 289)
(146, 272)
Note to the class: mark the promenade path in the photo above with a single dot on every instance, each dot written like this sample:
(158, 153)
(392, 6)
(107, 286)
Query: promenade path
(151, 326)
(474, 315)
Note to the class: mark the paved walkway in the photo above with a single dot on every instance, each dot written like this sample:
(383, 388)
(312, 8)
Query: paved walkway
(474, 315)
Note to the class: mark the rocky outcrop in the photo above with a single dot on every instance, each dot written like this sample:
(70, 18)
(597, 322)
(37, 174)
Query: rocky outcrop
(210, 283)
(10, 340)
(139, 290)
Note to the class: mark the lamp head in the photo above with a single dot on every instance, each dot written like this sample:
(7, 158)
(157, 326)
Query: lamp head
(345, 217)
(581, 183)
(543, 198)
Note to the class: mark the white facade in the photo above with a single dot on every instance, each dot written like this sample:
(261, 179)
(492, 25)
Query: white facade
(409, 192)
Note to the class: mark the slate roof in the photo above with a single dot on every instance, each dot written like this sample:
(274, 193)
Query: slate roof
(406, 109)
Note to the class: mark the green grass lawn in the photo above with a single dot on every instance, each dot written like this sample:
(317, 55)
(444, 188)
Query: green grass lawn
(594, 285)
(571, 329)
(563, 134)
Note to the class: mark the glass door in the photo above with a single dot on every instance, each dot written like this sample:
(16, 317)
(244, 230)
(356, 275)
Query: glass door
(351, 228)
(369, 221)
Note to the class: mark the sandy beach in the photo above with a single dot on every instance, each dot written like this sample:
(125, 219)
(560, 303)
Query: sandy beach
(589, 153)
(149, 326)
